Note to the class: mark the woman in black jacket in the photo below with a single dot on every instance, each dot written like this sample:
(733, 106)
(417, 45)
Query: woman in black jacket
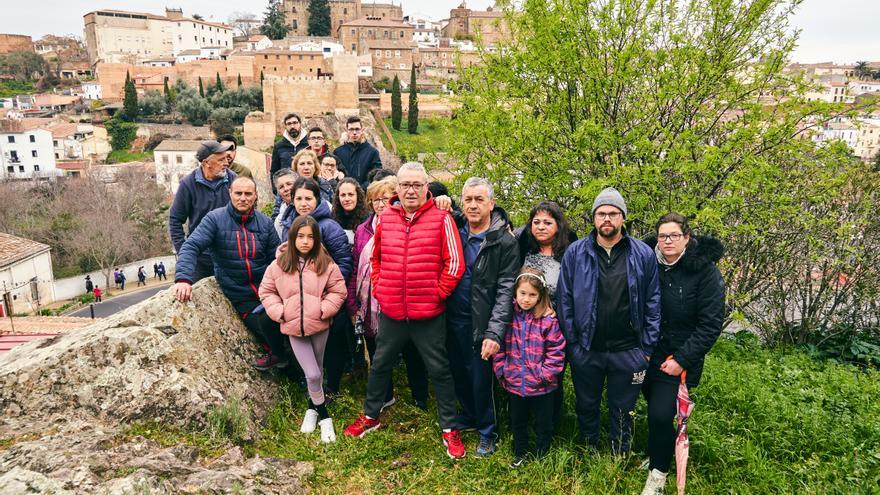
(691, 315)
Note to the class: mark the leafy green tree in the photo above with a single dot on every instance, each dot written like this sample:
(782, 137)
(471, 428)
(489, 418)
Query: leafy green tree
(195, 109)
(130, 100)
(660, 99)
(221, 122)
(412, 122)
(396, 104)
(24, 66)
(248, 97)
(152, 103)
(274, 25)
(201, 88)
(121, 133)
(862, 70)
(319, 18)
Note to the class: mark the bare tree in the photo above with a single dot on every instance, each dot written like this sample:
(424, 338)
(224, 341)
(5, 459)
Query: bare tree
(244, 22)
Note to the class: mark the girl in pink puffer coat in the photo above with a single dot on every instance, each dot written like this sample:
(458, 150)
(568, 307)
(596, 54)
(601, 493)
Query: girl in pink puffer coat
(303, 290)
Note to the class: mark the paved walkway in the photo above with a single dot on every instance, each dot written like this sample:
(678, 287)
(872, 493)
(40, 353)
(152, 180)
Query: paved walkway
(121, 301)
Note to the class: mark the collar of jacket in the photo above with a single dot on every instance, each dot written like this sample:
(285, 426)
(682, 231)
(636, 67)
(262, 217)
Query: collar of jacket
(397, 208)
(240, 218)
(224, 179)
(498, 225)
(290, 139)
(593, 243)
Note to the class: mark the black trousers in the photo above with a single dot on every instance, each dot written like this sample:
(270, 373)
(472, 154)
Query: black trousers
(625, 372)
(338, 352)
(268, 332)
(473, 379)
(416, 374)
(429, 337)
(541, 407)
(661, 391)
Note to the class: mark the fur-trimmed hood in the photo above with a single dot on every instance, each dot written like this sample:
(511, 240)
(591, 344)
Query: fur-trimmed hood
(701, 250)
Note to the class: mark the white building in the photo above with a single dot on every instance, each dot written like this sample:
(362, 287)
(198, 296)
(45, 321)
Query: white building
(861, 87)
(327, 48)
(257, 42)
(174, 159)
(843, 130)
(26, 153)
(26, 273)
(188, 56)
(426, 37)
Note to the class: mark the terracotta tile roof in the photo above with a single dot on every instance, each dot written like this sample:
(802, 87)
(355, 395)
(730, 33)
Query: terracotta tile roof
(13, 249)
(63, 130)
(73, 165)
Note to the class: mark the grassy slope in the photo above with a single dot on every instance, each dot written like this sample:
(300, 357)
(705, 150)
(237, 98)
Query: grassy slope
(765, 422)
(431, 137)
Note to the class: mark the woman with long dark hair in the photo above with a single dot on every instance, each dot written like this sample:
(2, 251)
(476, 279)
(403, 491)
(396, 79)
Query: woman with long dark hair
(349, 206)
(692, 313)
(544, 240)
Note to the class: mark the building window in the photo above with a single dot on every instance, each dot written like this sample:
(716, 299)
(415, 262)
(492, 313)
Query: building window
(57, 156)
(344, 11)
(295, 24)
(401, 34)
(36, 168)
(353, 47)
(352, 31)
(196, 39)
(164, 159)
(403, 66)
(397, 53)
(21, 168)
(11, 139)
(10, 169)
(378, 53)
(34, 153)
(387, 53)
(300, 57)
(55, 143)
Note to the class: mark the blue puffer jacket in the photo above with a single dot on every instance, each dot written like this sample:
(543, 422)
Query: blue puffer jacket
(332, 235)
(578, 286)
(241, 246)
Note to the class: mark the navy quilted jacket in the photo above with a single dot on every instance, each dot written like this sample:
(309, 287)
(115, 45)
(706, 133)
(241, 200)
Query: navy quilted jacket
(241, 247)
(332, 236)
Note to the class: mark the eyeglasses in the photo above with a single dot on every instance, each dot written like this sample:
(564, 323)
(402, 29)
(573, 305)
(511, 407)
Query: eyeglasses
(358, 129)
(613, 215)
(381, 201)
(292, 122)
(670, 237)
(411, 185)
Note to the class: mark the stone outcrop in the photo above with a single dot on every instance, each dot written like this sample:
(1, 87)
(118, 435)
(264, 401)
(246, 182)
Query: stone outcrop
(65, 403)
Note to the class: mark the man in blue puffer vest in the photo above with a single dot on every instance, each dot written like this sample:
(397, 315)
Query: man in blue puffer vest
(241, 241)
(609, 311)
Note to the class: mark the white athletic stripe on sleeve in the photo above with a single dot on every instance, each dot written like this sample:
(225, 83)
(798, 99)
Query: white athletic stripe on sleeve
(450, 242)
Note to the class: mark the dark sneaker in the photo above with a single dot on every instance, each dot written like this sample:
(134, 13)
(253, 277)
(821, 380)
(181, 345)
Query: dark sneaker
(487, 446)
(517, 462)
(361, 427)
(421, 404)
(454, 445)
(267, 361)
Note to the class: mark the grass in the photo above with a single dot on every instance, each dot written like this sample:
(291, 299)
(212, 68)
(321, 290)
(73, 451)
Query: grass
(766, 421)
(431, 138)
(123, 156)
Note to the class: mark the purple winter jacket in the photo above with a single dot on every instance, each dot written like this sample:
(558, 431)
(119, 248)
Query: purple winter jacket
(533, 355)
(362, 234)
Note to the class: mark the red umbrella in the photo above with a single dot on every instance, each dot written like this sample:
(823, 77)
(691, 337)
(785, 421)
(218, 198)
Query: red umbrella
(682, 444)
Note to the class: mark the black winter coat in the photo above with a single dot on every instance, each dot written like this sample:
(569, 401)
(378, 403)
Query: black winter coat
(282, 156)
(692, 306)
(358, 159)
(492, 279)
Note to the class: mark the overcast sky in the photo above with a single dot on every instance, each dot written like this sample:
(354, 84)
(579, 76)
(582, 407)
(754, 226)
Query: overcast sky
(839, 30)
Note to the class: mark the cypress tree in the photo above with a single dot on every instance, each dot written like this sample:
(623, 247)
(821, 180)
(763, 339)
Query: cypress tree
(130, 102)
(201, 88)
(413, 118)
(167, 92)
(261, 78)
(319, 18)
(396, 104)
(239, 80)
(218, 85)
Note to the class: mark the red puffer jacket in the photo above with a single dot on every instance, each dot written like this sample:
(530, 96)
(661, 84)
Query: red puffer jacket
(416, 262)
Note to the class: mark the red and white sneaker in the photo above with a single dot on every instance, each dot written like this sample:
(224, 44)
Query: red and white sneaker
(361, 427)
(454, 446)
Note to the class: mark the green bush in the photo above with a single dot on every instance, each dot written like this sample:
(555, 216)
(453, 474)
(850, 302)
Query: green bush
(229, 421)
(121, 133)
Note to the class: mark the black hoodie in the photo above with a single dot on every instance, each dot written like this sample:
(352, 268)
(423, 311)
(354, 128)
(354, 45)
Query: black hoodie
(692, 306)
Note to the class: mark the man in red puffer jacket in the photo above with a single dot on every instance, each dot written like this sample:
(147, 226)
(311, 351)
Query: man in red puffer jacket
(417, 262)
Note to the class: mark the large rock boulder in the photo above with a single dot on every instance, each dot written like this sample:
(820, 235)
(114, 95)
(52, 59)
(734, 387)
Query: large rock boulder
(65, 401)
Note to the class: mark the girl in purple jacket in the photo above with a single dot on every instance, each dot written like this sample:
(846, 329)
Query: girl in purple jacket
(529, 364)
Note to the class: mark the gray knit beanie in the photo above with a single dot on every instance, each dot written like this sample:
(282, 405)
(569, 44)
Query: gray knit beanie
(610, 196)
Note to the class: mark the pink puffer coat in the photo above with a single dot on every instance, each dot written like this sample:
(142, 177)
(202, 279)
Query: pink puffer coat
(302, 302)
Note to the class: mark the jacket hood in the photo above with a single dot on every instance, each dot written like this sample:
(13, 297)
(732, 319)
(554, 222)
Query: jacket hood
(322, 211)
(701, 251)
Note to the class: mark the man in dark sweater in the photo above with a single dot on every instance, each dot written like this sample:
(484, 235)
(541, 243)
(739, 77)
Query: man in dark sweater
(292, 141)
(609, 312)
(357, 156)
(199, 192)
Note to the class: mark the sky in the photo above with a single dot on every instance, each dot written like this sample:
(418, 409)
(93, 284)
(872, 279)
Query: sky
(842, 31)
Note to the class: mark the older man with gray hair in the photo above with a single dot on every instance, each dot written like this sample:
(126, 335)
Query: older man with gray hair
(481, 307)
(416, 264)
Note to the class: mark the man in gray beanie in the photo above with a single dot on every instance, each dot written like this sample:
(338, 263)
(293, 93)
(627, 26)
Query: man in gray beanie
(609, 312)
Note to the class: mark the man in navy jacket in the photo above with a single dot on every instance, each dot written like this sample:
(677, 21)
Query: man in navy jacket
(199, 192)
(241, 242)
(357, 155)
(609, 312)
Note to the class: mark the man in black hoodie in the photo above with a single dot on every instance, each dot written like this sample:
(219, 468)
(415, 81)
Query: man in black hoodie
(292, 141)
(357, 156)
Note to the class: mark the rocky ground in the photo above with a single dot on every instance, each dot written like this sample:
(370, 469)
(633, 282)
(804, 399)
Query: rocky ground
(66, 403)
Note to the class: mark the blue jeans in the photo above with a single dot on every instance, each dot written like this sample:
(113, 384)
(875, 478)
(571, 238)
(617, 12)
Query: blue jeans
(473, 379)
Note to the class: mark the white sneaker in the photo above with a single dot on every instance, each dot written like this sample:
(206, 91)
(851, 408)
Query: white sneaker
(388, 404)
(656, 483)
(310, 421)
(328, 434)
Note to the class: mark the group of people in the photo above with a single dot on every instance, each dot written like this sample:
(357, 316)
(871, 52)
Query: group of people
(456, 291)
